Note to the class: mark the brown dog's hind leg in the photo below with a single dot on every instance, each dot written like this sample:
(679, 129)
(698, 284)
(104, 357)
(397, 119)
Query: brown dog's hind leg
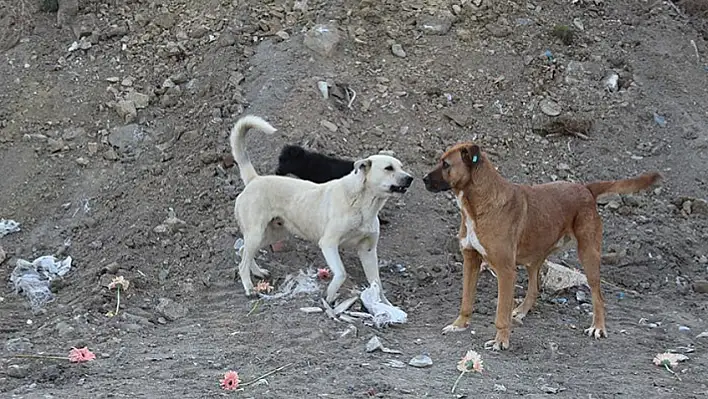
(505, 268)
(588, 233)
(534, 271)
(470, 275)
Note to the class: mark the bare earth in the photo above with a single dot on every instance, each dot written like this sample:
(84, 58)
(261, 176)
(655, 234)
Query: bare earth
(83, 182)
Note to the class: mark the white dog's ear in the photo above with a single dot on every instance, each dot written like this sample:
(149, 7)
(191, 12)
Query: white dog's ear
(362, 165)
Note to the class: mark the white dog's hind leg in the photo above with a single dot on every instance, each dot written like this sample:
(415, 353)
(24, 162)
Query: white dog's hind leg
(248, 263)
(370, 262)
(330, 250)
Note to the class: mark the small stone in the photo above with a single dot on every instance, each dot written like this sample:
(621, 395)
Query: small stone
(113, 79)
(421, 361)
(179, 78)
(464, 34)
(282, 34)
(228, 161)
(684, 329)
(18, 345)
(563, 166)
(198, 32)
(127, 82)
(329, 125)
(398, 51)
(17, 371)
(226, 40)
(374, 344)
(92, 148)
(73, 133)
(55, 145)
(126, 110)
(82, 161)
(209, 157)
(699, 207)
(138, 99)
(165, 20)
(3, 255)
(170, 310)
(456, 9)
(550, 107)
(63, 329)
(498, 30)
(110, 155)
(438, 24)
(614, 205)
(397, 364)
(700, 286)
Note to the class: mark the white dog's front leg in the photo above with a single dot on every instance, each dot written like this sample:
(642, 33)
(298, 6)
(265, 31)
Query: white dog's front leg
(370, 262)
(331, 254)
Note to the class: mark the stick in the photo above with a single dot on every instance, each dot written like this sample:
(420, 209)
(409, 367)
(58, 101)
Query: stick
(253, 309)
(457, 381)
(695, 48)
(266, 375)
(118, 300)
(42, 357)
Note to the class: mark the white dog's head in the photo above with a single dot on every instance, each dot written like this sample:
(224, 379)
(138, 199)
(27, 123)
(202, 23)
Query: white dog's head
(383, 174)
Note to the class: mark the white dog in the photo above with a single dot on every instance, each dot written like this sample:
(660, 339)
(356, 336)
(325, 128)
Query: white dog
(339, 212)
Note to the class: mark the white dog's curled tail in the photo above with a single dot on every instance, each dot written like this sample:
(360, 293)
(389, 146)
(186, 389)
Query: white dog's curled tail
(238, 144)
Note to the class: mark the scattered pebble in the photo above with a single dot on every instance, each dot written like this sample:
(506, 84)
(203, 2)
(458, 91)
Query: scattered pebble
(311, 309)
(398, 51)
(421, 361)
(329, 125)
(550, 107)
(684, 329)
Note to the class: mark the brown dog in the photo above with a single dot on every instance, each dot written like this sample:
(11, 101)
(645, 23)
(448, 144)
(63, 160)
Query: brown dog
(509, 224)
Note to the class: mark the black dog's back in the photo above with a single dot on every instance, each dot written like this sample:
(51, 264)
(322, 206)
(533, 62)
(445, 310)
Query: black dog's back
(312, 166)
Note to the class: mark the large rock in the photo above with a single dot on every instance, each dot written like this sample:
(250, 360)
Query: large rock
(170, 309)
(322, 39)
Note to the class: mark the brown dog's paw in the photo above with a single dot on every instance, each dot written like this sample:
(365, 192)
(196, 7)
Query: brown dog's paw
(597, 332)
(500, 342)
(496, 346)
(460, 324)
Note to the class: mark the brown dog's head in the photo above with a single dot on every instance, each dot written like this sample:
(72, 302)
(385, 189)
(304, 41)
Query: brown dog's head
(455, 169)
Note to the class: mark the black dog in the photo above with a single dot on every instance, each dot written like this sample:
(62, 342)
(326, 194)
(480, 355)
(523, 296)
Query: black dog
(312, 166)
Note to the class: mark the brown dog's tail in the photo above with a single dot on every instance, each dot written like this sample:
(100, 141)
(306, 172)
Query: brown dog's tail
(625, 186)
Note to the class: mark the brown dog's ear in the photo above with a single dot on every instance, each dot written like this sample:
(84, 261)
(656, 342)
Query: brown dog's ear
(471, 155)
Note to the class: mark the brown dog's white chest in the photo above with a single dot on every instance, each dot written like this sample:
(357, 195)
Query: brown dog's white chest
(470, 239)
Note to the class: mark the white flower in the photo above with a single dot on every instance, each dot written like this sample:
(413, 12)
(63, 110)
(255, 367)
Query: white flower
(669, 359)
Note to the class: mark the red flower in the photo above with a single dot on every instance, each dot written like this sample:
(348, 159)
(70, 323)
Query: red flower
(323, 274)
(230, 381)
(81, 355)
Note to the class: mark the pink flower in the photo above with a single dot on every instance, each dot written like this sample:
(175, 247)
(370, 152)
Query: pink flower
(264, 286)
(471, 362)
(323, 274)
(81, 355)
(230, 381)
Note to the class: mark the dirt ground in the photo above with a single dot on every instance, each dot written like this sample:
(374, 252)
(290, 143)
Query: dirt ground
(100, 138)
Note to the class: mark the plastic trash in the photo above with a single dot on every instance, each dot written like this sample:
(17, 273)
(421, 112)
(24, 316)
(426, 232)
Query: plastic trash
(8, 226)
(296, 284)
(383, 313)
(32, 279)
(660, 120)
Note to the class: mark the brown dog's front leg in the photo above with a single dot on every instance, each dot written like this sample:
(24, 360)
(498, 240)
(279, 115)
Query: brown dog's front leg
(470, 275)
(506, 279)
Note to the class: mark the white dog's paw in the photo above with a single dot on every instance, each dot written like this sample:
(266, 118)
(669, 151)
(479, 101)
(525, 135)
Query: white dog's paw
(259, 271)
